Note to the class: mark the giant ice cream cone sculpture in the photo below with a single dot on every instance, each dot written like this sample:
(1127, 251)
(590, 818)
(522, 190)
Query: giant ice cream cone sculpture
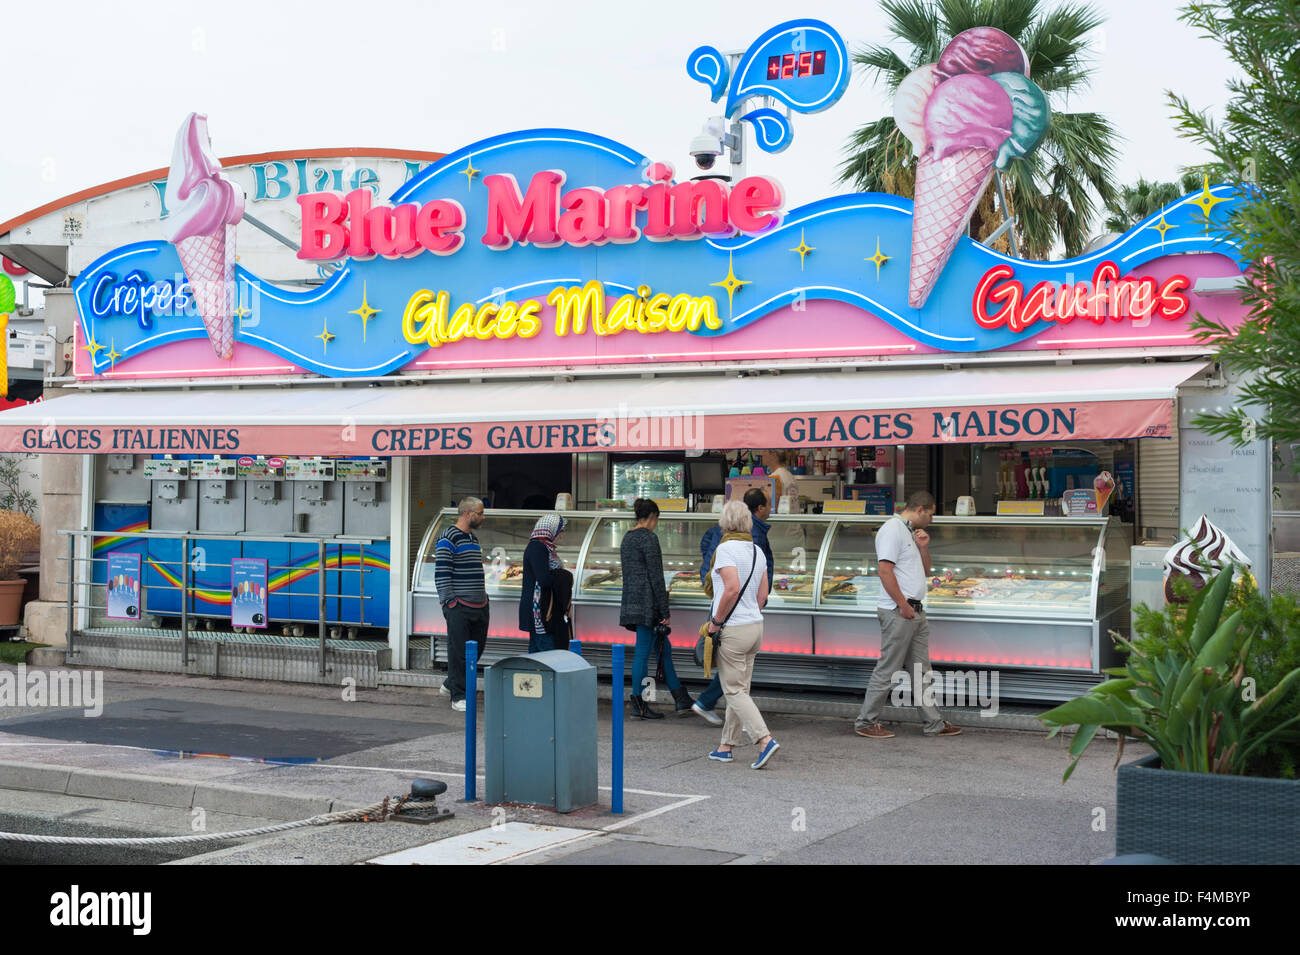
(971, 113)
(204, 207)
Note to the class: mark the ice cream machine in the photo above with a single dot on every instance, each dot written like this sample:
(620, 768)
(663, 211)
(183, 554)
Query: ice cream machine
(220, 494)
(317, 506)
(364, 486)
(268, 506)
(174, 505)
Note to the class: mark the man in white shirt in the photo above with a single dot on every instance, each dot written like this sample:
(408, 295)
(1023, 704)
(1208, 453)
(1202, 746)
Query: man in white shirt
(903, 562)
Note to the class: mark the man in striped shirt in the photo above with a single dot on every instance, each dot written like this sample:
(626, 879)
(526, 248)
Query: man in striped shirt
(458, 575)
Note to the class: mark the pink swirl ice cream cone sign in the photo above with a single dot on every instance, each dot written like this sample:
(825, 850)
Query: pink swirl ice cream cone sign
(971, 113)
(205, 206)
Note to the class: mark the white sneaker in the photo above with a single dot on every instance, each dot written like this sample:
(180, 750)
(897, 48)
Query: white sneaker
(459, 706)
(707, 715)
(443, 691)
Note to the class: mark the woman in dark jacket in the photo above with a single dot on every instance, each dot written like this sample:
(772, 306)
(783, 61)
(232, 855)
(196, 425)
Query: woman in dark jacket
(540, 564)
(645, 604)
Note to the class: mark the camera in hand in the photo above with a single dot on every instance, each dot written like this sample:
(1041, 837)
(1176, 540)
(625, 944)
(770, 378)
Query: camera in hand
(662, 630)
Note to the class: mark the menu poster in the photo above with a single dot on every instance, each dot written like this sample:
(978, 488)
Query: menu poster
(1124, 474)
(248, 592)
(879, 497)
(124, 586)
(1229, 485)
(1081, 502)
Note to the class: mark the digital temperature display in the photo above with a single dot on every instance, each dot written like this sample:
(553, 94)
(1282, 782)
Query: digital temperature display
(794, 66)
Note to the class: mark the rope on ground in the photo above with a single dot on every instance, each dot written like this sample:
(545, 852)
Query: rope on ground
(379, 812)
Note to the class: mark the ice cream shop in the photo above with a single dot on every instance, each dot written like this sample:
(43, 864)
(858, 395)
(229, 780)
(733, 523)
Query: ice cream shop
(254, 453)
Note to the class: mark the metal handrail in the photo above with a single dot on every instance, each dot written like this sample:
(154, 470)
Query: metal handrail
(187, 538)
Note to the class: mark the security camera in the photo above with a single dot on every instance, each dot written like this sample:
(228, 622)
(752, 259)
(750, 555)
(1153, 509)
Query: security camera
(708, 145)
(705, 149)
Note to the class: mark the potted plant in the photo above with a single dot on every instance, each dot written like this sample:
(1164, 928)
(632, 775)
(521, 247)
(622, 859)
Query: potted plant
(19, 535)
(1214, 689)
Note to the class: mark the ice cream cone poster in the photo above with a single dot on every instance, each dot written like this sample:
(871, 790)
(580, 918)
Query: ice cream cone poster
(123, 587)
(970, 114)
(248, 592)
(205, 206)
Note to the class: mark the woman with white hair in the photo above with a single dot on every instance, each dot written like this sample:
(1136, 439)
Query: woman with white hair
(740, 588)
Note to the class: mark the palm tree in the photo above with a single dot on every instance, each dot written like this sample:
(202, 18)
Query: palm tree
(1134, 203)
(1052, 190)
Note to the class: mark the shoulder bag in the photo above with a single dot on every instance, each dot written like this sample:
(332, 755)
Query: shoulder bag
(706, 647)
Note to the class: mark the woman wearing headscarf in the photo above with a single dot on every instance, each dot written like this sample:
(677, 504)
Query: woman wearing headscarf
(540, 564)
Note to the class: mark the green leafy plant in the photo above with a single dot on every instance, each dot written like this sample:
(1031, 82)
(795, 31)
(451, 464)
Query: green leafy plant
(1254, 146)
(13, 496)
(1181, 689)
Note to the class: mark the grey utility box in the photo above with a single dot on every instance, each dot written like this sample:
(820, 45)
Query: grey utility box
(541, 730)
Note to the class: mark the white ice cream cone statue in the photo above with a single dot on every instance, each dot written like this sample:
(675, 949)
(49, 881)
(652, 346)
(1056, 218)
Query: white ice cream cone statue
(972, 112)
(204, 207)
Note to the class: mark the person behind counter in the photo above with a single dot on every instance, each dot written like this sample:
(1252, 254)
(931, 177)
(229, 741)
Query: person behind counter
(540, 564)
(740, 588)
(784, 479)
(645, 604)
(458, 575)
(903, 560)
(759, 508)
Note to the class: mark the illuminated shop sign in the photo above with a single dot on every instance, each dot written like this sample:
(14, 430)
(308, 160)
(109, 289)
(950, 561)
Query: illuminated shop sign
(548, 248)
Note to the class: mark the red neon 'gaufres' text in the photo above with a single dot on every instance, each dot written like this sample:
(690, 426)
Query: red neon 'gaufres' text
(1106, 296)
(334, 226)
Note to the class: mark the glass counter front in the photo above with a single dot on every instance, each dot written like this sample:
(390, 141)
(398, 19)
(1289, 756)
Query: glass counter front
(1002, 591)
(502, 538)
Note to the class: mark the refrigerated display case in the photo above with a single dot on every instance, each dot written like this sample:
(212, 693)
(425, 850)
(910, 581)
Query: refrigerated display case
(1033, 597)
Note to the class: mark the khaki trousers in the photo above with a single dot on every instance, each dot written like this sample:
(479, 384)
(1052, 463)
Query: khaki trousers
(740, 644)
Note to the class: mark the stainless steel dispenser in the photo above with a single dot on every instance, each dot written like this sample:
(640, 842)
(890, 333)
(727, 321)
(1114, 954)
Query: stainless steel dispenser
(365, 498)
(317, 506)
(174, 505)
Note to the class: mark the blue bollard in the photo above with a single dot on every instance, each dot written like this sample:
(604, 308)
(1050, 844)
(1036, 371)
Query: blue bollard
(471, 718)
(616, 715)
(575, 646)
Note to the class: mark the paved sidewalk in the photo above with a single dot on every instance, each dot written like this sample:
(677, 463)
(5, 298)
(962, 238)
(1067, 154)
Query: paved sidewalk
(828, 796)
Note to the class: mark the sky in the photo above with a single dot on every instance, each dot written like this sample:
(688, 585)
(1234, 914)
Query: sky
(109, 83)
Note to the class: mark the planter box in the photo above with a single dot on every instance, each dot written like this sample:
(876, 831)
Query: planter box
(1206, 818)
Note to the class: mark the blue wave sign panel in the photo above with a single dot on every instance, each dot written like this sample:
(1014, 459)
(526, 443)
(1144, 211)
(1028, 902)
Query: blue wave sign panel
(573, 249)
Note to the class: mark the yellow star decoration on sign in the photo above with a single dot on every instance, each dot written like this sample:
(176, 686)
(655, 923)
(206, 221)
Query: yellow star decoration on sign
(1207, 200)
(469, 172)
(803, 248)
(1162, 227)
(325, 336)
(93, 347)
(365, 311)
(879, 258)
(241, 313)
(731, 283)
(113, 356)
